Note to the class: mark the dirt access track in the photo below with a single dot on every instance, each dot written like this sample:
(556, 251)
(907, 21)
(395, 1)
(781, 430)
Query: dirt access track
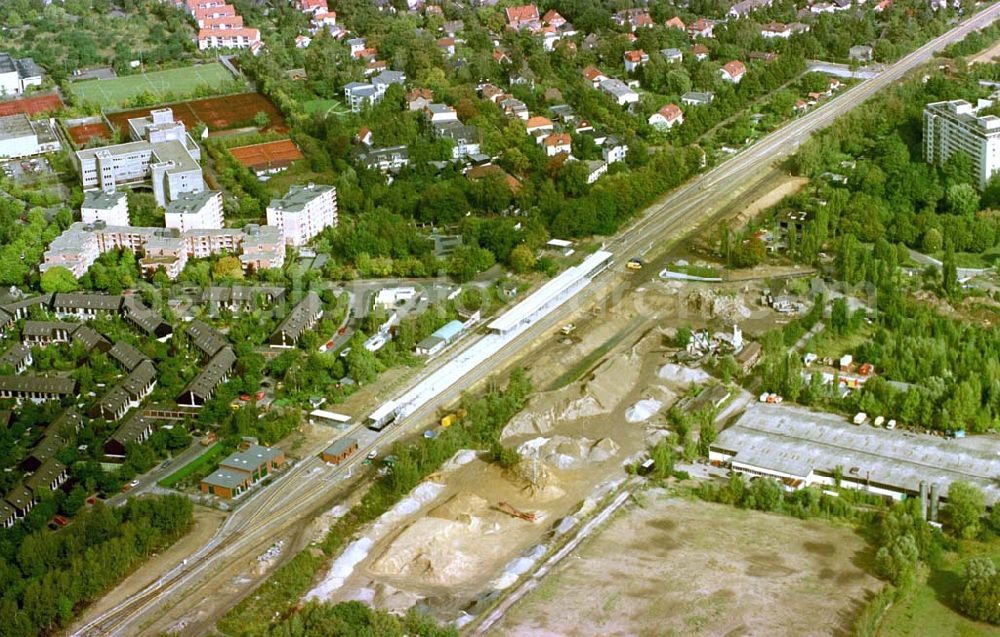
(677, 567)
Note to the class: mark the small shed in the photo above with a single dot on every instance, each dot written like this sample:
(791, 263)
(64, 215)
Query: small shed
(340, 450)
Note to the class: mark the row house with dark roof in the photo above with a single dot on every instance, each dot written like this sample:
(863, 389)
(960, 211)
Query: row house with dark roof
(126, 355)
(128, 394)
(85, 306)
(202, 387)
(205, 337)
(18, 357)
(136, 430)
(36, 388)
(302, 317)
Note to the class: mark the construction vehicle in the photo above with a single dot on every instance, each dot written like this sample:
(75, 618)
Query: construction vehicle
(452, 418)
(634, 264)
(568, 329)
(511, 511)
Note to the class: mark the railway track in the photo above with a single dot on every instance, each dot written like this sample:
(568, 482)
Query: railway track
(296, 492)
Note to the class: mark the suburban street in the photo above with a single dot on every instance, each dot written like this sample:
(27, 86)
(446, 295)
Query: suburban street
(305, 487)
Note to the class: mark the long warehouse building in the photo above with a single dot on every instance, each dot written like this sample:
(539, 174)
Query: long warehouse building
(805, 448)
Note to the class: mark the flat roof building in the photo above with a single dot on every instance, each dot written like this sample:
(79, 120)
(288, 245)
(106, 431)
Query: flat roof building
(955, 127)
(304, 212)
(160, 151)
(22, 137)
(195, 211)
(237, 472)
(340, 450)
(109, 207)
(79, 246)
(16, 75)
(804, 448)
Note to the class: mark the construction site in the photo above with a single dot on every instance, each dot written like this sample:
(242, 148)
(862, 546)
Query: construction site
(468, 533)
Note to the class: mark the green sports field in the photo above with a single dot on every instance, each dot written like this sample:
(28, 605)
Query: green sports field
(179, 82)
(327, 107)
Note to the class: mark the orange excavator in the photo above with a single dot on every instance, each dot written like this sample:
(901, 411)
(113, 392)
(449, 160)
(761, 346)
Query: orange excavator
(511, 511)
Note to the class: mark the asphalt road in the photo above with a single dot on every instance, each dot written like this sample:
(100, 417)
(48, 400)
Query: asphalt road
(301, 489)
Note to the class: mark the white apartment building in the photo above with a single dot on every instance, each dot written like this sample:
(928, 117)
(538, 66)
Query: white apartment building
(79, 246)
(109, 207)
(956, 127)
(160, 150)
(17, 75)
(242, 38)
(303, 212)
(195, 211)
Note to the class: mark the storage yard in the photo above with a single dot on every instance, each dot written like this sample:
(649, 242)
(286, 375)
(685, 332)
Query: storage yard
(673, 567)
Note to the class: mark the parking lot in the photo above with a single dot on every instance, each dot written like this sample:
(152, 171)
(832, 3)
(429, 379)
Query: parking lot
(26, 170)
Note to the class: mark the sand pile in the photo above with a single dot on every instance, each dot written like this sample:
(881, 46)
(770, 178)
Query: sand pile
(682, 375)
(567, 452)
(449, 546)
(583, 407)
(643, 410)
(613, 380)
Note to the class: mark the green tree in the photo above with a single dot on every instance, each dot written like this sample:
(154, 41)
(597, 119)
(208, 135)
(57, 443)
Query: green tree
(962, 199)
(227, 267)
(980, 596)
(58, 279)
(966, 506)
(522, 259)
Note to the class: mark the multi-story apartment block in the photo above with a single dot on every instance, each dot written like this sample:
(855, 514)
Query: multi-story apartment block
(241, 38)
(955, 127)
(303, 212)
(109, 207)
(195, 211)
(160, 150)
(79, 246)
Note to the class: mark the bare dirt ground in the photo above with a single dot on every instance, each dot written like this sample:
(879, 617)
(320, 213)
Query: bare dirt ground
(206, 523)
(677, 567)
(987, 56)
(783, 187)
(451, 544)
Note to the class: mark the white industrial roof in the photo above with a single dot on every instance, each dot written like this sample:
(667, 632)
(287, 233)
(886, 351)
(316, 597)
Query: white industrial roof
(530, 306)
(329, 415)
(796, 441)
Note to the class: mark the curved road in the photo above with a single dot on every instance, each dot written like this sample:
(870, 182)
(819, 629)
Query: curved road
(307, 485)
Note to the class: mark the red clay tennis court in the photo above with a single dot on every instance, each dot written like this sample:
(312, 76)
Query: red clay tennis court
(31, 105)
(85, 132)
(218, 113)
(277, 154)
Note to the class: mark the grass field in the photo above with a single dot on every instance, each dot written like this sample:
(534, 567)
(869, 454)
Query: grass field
(676, 568)
(327, 107)
(203, 460)
(176, 82)
(928, 610)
